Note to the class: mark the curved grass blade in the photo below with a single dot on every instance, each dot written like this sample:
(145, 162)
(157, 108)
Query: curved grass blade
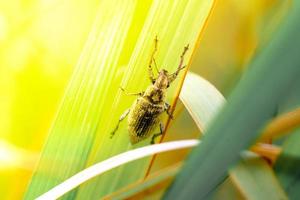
(251, 105)
(111, 163)
(267, 151)
(282, 125)
(201, 99)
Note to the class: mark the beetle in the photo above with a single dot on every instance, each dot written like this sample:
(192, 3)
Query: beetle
(144, 114)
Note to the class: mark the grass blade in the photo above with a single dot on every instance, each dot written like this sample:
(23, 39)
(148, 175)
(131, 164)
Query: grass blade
(73, 132)
(111, 163)
(255, 179)
(282, 125)
(201, 99)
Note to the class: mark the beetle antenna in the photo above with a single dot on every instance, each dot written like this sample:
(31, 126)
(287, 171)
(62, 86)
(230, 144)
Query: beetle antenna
(152, 60)
(155, 50)
(157, 70)
(173, 76)
(182, 57)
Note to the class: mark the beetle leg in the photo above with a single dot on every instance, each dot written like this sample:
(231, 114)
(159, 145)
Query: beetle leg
(167, 108)
(152, 60)
(129, 94)
(120, 120)
(161, 128)
(173, 76)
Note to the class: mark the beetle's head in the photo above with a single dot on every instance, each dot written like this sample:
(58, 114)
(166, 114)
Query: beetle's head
(162, 80)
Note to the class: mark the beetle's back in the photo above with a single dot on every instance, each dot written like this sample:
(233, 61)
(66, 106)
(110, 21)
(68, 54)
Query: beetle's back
(143, 118)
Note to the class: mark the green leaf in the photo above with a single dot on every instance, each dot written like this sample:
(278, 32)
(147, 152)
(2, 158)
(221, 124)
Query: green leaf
(249, 108)
(117, 54)
(255, 179)
(201, 99)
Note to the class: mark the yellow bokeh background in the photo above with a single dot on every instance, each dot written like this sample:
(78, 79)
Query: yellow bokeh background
(41, 41)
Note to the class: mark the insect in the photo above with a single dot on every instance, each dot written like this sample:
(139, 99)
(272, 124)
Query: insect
(144, 114)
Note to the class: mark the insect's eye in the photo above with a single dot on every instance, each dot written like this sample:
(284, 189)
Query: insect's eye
(168, 85)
